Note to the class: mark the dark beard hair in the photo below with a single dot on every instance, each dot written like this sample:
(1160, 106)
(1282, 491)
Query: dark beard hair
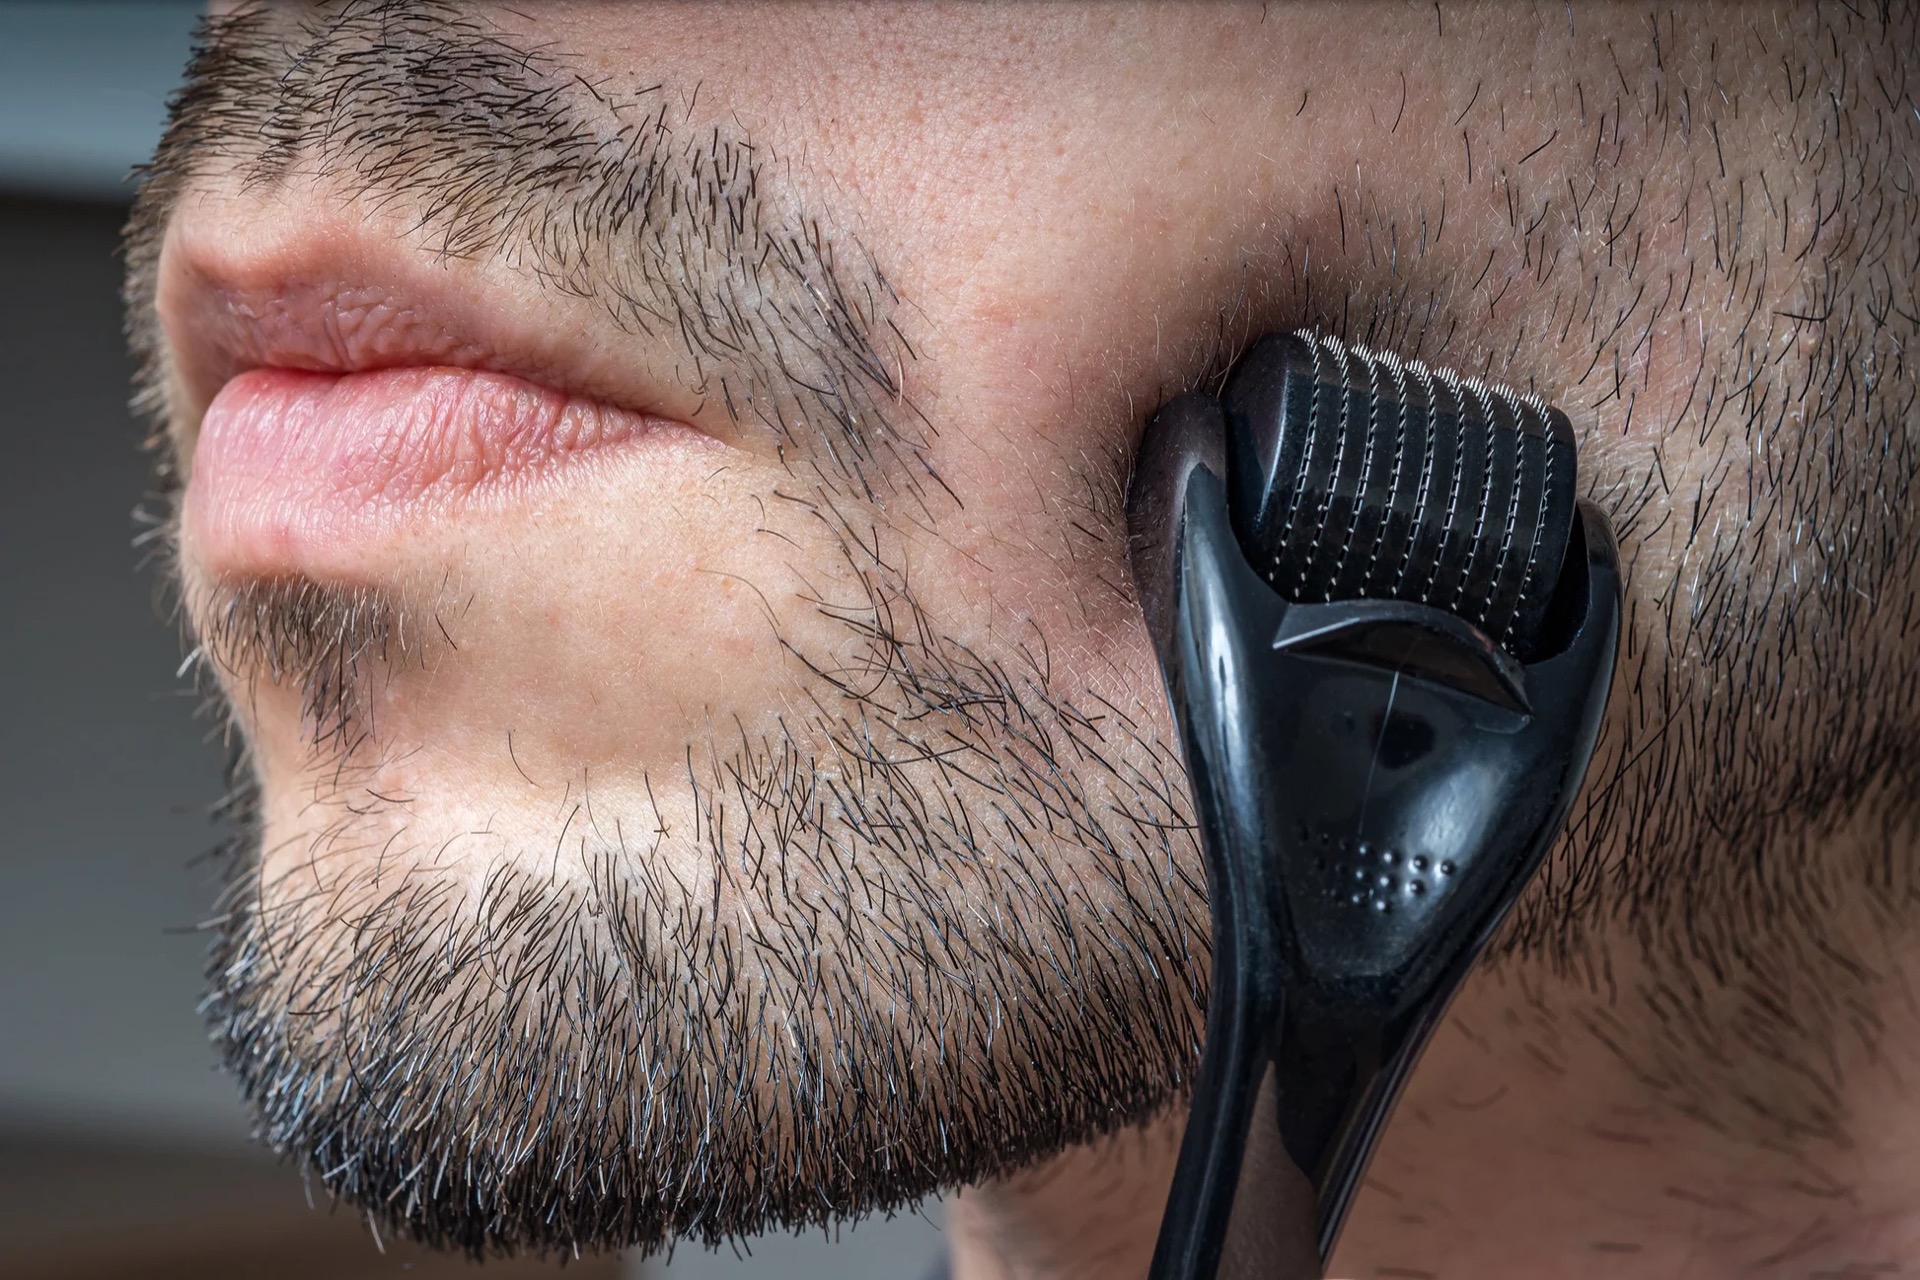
(624, 1057)
(948, 923)
(1003, 955)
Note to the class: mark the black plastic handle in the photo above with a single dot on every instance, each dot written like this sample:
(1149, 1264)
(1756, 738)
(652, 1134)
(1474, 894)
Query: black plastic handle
(1375, 782)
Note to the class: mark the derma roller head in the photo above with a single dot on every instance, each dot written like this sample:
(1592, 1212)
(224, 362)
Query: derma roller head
(1387, 629)
(1359, 475)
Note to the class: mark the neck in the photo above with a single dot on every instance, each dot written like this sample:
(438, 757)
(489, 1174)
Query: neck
(1652, 1114)
(1586, 1135)
(1092, 1212)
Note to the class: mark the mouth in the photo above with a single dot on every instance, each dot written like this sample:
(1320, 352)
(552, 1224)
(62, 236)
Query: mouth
(408, 480)
(329, 390)
(290, 468)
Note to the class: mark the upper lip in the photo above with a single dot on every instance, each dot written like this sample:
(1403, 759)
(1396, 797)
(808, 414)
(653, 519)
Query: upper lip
(234, 295)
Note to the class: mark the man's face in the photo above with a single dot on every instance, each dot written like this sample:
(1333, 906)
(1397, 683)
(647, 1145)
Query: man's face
(651, 495)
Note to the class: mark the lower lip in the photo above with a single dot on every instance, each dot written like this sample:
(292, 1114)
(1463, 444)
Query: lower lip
(292, 466)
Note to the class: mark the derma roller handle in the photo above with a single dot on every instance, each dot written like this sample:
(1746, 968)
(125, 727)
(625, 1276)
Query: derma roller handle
(1387, 631)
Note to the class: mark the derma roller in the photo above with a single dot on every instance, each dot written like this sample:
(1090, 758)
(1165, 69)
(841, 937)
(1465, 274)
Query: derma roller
(1387, 629)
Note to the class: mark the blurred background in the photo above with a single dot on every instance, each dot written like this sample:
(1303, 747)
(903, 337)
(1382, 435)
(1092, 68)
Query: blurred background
(123, 1150)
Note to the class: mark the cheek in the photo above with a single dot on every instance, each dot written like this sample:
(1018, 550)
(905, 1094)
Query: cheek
(1030, 576)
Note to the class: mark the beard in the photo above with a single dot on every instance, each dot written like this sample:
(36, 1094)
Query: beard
(945, 927)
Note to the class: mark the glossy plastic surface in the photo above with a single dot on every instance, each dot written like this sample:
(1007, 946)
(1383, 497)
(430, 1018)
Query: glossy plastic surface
(1376, 781)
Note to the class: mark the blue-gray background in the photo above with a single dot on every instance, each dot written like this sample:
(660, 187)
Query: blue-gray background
(122, 1148)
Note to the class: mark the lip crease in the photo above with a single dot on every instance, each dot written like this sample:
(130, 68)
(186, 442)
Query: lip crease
(292, 467)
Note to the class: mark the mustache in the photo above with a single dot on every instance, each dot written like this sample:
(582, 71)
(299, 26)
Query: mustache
(689, 237)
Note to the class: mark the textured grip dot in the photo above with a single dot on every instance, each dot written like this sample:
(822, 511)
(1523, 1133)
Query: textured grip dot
(1356, 474)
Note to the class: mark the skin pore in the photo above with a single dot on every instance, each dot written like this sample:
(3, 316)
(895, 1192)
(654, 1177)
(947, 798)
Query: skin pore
(781, 821)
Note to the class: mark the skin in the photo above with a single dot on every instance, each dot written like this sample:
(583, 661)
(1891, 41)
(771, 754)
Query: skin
(1694, 232)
